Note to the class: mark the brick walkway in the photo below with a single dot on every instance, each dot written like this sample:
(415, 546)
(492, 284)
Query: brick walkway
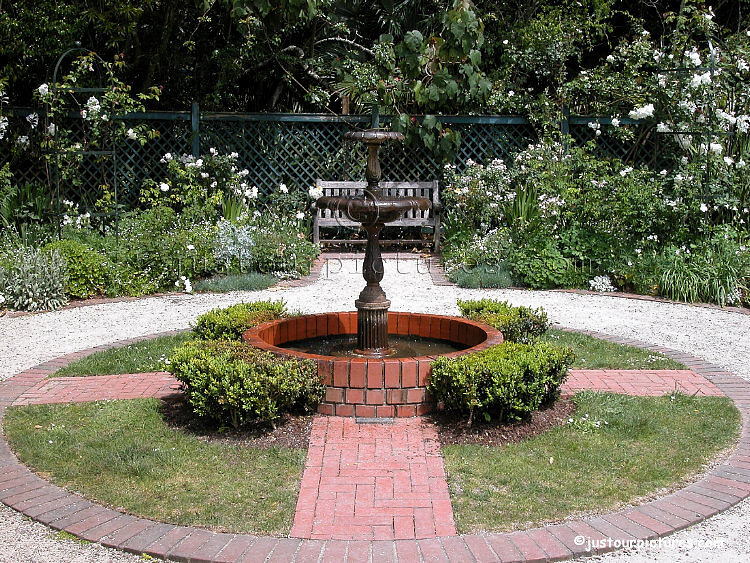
(100, 388)
(368, 463)
(644, 383)
(373, 481)
(641, 383)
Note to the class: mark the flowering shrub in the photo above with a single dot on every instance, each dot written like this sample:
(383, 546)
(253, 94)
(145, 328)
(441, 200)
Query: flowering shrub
(164, 245)
(201, 186)
(602, 284)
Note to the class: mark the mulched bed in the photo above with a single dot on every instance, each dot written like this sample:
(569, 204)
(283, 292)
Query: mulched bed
(289, 432)
(455, 432)
(294, 431)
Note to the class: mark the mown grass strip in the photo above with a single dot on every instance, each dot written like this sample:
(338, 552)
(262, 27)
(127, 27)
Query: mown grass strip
(141, 357)
(123, 454)
(641, 446)
(595, 353)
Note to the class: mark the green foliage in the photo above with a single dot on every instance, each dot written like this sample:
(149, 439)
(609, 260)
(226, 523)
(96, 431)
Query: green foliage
(504, 383)
(33, 280)
(202, 187)
(87, 269)
(164, 246)
(22, 205)
(498, 276)
(229, 323)
(715, 270)
(517, 323)
(231, 383)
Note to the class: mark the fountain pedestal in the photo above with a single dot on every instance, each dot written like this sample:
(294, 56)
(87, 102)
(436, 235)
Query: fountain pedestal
(373, 210)
(372, 305)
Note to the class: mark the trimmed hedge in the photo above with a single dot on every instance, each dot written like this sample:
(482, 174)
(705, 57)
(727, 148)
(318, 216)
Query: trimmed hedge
(233, 383)
(518, 324)
(504, 383)
(229, 323)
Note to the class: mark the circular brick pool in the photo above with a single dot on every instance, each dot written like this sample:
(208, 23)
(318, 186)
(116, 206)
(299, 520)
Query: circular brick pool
(373, 387)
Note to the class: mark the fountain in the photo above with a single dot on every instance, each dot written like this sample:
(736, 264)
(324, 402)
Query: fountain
(385, 373)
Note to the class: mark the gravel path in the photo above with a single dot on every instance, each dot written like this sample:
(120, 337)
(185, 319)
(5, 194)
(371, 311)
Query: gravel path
(715, 335)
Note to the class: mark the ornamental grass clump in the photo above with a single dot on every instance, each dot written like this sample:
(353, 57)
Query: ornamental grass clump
(229, 323)
(518, 324)
(504, 383)
(234, 384)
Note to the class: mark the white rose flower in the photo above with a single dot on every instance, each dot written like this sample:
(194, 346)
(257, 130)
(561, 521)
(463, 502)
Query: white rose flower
(164, 187)
(283, 189)
(43, 89)
(132, 135)
(642, 112)
(300, 215)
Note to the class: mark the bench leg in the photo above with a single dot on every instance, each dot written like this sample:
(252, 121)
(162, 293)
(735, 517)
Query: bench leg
(436, 235)
(316, 230)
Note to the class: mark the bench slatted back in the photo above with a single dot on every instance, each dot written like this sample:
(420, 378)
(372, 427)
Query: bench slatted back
(412, 218)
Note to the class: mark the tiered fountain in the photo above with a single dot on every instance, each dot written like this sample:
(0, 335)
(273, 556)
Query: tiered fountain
(375, 363)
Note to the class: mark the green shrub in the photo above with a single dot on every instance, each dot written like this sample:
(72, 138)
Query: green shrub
(498, 276)
(518, 324)
(33, 280)
(506, 382)
(232, 383)
(229, 323)
(87, 269)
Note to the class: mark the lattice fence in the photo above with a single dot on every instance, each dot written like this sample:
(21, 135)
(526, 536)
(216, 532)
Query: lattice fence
(298, 149)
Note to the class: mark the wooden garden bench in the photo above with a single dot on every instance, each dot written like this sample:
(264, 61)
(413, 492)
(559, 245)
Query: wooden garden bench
(325, 218)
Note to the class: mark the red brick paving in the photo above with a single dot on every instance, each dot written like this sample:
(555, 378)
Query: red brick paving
(723, 486)
(100, 388)
(652, 383)
(643, 383)
(373, 481)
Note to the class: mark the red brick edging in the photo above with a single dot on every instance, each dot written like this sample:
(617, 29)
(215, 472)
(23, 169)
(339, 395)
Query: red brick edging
(721, 488)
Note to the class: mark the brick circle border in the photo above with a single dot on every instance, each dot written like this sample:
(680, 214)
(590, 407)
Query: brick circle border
(719, 489)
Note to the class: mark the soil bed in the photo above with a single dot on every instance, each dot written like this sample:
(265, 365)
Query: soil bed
(453, 431)
(294, 431)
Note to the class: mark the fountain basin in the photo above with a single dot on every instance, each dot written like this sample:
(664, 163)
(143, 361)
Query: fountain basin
(373, 387)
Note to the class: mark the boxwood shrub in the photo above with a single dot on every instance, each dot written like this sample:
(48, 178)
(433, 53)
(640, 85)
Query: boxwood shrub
(235, 384)
(504, 383)
(229, 323)
(518, 324)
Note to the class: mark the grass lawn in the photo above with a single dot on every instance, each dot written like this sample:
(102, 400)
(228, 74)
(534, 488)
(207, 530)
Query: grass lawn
(147, 355)
(646, 445)
(595, 353)
(122, 453)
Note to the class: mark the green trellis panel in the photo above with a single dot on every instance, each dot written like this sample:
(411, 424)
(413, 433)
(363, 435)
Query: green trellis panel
(296, 149)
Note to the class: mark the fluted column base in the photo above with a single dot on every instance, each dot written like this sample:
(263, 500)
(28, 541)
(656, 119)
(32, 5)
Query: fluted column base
(372, 328)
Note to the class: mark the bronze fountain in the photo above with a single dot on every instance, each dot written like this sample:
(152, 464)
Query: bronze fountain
(373, 209)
